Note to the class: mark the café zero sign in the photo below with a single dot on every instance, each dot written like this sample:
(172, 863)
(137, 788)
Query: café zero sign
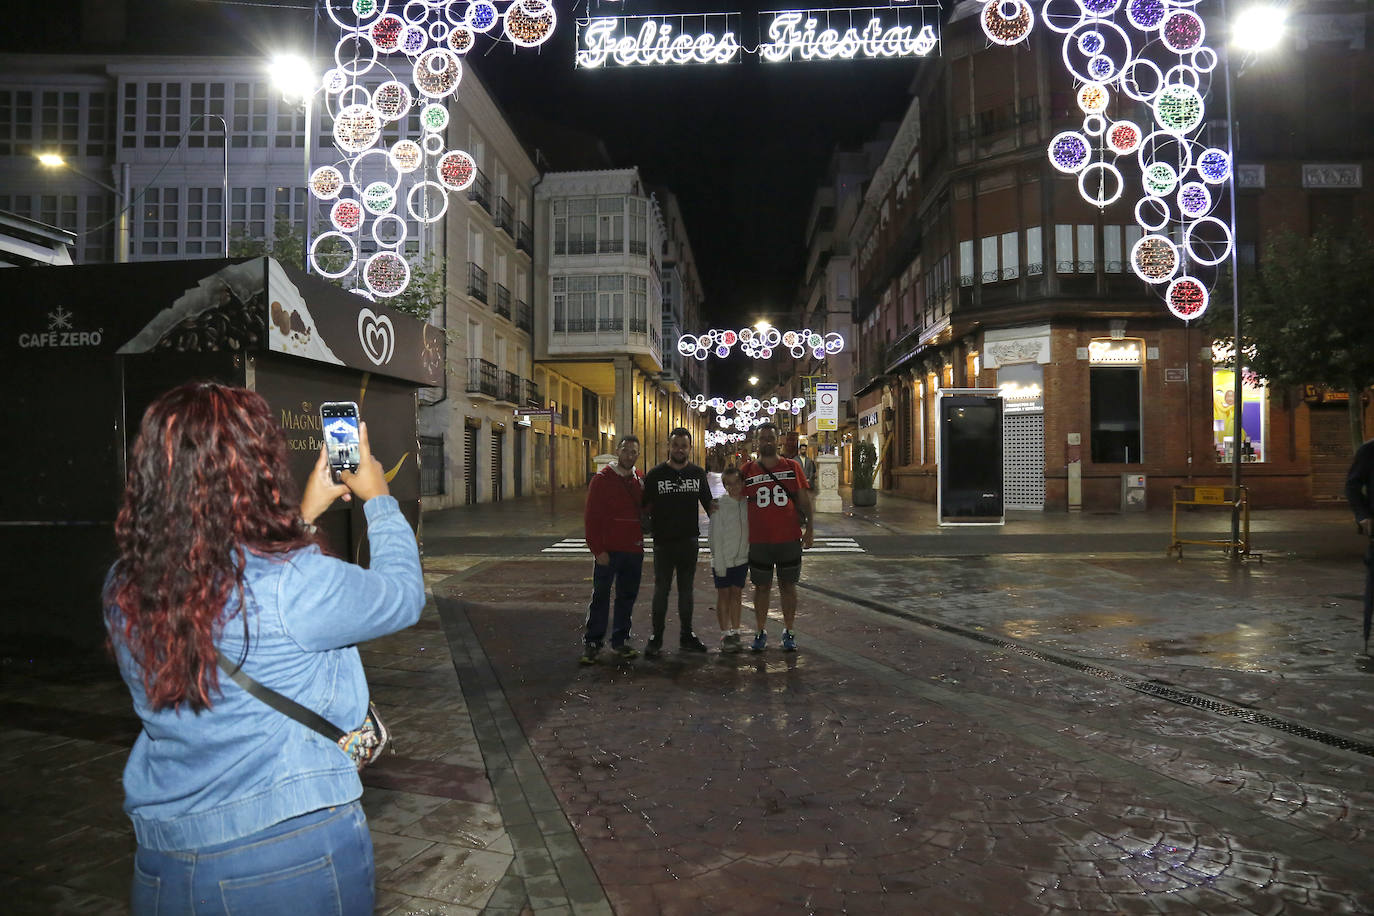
(898, 31)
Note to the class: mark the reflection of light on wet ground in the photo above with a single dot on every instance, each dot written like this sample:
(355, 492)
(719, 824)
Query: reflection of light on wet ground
(1244, 647)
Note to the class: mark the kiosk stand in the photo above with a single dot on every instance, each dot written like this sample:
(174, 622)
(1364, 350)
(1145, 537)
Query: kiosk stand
(970, 449)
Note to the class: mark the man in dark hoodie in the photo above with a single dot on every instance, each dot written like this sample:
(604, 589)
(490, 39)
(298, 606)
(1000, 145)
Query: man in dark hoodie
(616, 540)
(672, 492)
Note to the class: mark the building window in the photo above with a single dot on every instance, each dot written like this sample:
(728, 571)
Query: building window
(639, 304)
(966, 262)
(574, 304)
(574, 231)
(248, 212)
(1074, 249)
(431, 465)
(204, 131)
(1254, 419)
(1035, 255)
(610, 225)
(16, 123)
(611, 303)
(249, 127)
(204, 221)
(639, 226)
(1114, 393)
(160, 218)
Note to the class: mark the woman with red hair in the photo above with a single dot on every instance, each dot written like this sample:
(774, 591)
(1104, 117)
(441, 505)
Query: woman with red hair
(238, 808)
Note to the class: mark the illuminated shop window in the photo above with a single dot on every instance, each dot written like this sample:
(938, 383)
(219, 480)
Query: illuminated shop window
(1254, 422)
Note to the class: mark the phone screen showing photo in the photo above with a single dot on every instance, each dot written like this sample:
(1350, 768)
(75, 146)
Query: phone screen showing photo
(340, 426)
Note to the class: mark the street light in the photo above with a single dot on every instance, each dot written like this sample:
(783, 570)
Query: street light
(753, 380)
(1257, 28)
(55, 161)
(295, 79)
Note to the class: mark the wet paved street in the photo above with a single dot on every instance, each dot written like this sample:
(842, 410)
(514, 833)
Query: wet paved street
(965, 730)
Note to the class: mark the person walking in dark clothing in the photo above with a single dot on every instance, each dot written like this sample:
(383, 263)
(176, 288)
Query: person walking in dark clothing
(1359, 492)
(672, 492)
(616, 539)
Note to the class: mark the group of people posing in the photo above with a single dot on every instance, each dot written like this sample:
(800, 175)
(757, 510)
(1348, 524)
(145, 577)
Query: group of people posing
(759, 527)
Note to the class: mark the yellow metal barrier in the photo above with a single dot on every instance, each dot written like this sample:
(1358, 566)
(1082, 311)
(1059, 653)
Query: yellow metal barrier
(1237, 499)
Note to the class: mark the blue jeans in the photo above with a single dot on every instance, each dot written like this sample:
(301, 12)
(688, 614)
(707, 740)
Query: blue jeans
(316, 864)
(624, 572)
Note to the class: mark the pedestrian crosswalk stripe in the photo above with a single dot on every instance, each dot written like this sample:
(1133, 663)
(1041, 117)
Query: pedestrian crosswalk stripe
(578, 546)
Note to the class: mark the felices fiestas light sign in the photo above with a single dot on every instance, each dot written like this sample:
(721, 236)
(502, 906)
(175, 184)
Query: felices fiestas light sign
(908, 30)
(1124, 352)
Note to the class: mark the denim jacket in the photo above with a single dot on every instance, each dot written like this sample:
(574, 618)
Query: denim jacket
(196, 780)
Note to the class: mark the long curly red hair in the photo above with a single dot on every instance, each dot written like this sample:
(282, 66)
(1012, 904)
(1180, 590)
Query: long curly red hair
(208, 481)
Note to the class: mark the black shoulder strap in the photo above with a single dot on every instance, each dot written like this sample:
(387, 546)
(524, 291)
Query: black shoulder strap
(282, 704)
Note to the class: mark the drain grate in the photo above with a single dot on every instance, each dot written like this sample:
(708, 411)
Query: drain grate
(1152, 688)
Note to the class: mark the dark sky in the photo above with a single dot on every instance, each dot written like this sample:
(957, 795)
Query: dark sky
(743, 146)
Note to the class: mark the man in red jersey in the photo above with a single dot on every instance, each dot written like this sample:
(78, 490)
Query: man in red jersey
(779, 497)
(616, 539)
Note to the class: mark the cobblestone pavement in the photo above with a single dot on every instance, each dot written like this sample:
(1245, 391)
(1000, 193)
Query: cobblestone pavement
(892, 766)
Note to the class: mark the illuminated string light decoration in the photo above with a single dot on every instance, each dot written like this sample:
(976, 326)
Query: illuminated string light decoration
(1153, 52)
(389, 58)
(760, 344)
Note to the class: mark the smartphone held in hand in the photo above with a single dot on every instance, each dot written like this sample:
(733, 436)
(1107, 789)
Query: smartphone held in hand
(339, 426)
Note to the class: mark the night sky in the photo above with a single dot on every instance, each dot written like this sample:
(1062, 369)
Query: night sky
(743, 145)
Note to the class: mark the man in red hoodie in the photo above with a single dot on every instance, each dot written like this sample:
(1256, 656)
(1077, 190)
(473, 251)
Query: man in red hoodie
(616, 539)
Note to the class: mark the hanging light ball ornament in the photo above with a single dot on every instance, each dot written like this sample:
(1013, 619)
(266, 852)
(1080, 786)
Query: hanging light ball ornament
(346, 215)
(1159, 179)
(1145, 14)
(434, 117)
(1214, 166)
(1194, 199)
(326, 182)
(1069, 152)
(379, 197)
(1007, 22)
(1124, 137)
(1182, 31)
(391, 100)
(460, 39)
(1154, 258)
(437, 73)
(529, 23)
(406, 156)
(481, 15)
(457, 170)
(386, 32)
(386, 274)
(356, 128)
(1178, 108)
(1187, 298)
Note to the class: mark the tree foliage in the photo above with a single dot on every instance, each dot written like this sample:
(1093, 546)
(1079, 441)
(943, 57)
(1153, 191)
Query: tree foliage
(1307, 316)
(421, 296)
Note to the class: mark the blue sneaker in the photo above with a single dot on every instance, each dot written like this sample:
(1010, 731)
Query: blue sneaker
(789, 641)
(760, 641)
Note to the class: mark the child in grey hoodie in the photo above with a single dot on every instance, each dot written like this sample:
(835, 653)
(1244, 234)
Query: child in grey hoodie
(730, 557)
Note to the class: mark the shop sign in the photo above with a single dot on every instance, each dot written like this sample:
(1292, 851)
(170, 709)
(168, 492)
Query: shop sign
(869, 419)
(1127, 351)
(1021, 388)
(1323, 395)
(60, 332)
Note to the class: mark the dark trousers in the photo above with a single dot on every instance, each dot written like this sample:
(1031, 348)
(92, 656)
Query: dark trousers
(676, 557)
(624, 572)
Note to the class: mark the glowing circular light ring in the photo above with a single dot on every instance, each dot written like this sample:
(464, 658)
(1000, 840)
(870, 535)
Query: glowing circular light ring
(315, 254)
(326, 182)
(797, 352)
(386, 274)
(1182, 31)
(746, 335)
(789, 339)
(722, 351)
(1214, 166)
(702, 353)
(379, 198)
(1186, 297)
(352, 94)
(1101, 67)
(1069, 152)
(357, 128)
(1093, 98)
(424, 186)
(1154, 258)
(1131, 86)
(1194, 200)
(481, 16)
(406, 156)
(1103, 198)
(457, 170)
(439, 32)
(437, 73)
(1183, 75)
(686, 345)
(391, 100)
(765, 353)
(729, 338)
(334, 80)
(1189, 246)
(1062, 23)
(1007, 22)
(834, 343)
(1161, 207)
(346, 215)
(1204, 60)
(1159, 179)
(349, 63)
(1094, 125)
(771, 338)
(432, 144)
(1178, 109)
(434, 118)
(529, 23)
(1106, 26)
(1161, 145)
(377, 234)
(1091, 43)
(1123, 138)
(357, 171)
(333, 9)
(1146, 15)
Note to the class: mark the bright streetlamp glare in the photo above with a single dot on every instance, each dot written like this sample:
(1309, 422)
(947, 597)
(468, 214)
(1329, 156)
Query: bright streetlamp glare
(753, 379)
(292, 75)
(762, 325)
(51, 160)
(1258, 28)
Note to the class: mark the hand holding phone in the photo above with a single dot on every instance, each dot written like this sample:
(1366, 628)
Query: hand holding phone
(369, 480)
